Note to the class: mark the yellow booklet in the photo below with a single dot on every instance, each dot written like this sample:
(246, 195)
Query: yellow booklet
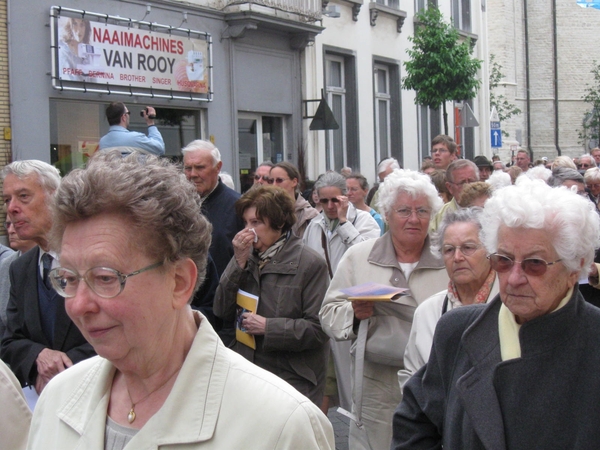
(246, 302)
(374, 292)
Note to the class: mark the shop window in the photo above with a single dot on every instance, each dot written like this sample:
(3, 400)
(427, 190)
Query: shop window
(76, 128)
(260, 138)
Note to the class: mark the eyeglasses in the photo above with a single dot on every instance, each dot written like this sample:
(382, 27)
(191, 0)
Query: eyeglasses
(264, 177)
(324, 201)
(534, 267)
(422, 213)
(439, 150)
(7, 225)
(103, 281)
(280, 180)
(466, 249)
(462, 183)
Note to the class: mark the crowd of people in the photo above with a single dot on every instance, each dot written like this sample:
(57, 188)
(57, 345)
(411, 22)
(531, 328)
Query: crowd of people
(147, 304)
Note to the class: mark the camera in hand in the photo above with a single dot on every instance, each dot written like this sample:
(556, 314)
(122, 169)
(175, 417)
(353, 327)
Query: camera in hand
(150, 116)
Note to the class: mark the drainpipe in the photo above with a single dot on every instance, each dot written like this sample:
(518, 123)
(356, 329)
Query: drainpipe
(555, 55)
(527, 87)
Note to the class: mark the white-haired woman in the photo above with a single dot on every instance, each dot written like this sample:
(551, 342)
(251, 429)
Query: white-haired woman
(521, 371)
(592, 184)
(401, 258)
(472, 281)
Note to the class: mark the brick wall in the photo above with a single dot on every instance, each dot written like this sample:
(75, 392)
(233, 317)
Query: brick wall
(577, 49)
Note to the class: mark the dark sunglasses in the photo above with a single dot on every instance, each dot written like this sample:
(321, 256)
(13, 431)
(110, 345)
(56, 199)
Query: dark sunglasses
(267, 179)
(534, 267)
(324, 201)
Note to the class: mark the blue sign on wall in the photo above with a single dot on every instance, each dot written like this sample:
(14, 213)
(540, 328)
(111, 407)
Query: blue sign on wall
(589, 3)
(496, 136)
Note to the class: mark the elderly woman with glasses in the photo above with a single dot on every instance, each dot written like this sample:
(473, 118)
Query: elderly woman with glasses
(286, 176)
(521, 371)
(133, 249)
(472, 281)
(379, 330)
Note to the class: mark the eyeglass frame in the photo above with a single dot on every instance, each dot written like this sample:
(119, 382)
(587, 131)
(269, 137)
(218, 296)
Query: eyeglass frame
(446, 248)
(462, 183)
(120, 275)
(523, 268)
(279, 180)
(415, 211)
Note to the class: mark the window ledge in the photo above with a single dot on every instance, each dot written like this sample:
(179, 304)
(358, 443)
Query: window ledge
(376, 8)
(468, 35)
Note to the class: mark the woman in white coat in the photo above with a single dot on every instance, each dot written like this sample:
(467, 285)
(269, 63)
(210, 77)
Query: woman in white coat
(472, 280)
(133, 249)
(401, 258)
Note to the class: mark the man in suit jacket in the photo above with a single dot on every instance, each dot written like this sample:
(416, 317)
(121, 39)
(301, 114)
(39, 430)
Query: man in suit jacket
(40, 340)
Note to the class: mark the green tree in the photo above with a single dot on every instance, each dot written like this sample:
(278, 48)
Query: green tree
(591, 118)
(504, 108)
(441, 67)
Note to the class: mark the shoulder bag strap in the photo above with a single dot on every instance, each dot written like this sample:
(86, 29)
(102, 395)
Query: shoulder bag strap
(324, 245)
(445, 305)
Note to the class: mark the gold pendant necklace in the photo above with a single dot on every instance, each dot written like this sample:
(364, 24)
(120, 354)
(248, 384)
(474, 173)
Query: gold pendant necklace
(131, 415)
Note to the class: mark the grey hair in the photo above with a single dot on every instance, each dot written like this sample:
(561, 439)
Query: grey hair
(200, 144)
(331, 179)
(562, 174)
(460, 164)
(590, 157)
(410, 182)
(48, 176)
(568, 218)
(150, 192)
(592, 175)
(387, 162)
(463, 215)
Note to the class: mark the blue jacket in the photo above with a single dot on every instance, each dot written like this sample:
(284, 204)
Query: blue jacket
(119, 136)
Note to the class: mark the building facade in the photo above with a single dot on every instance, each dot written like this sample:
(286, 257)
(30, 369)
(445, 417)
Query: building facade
(547, 50)
(357, 61)
(247, 59)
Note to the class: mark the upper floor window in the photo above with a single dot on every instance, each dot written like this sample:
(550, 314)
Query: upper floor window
(461, 14)
(391, 3)
(382, 112)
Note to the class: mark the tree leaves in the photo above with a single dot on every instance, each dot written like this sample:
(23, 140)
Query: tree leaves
(440, 68)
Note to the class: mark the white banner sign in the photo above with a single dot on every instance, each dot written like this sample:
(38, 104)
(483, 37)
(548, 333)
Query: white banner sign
(97, 52)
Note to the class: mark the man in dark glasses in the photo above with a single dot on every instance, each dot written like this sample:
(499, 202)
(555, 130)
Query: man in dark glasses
(521, 371)
(261, 174)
